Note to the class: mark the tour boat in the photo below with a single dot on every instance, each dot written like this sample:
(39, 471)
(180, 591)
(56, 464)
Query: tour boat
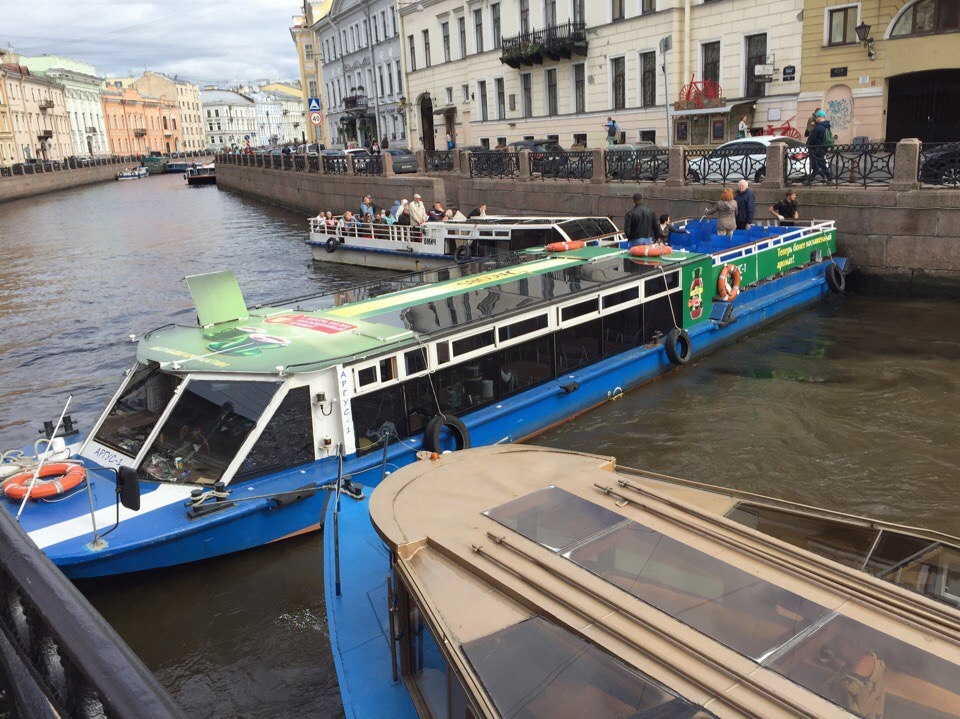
(201, 175)
(521, 581)
(440, 243)
(132, 173)
(227, 433)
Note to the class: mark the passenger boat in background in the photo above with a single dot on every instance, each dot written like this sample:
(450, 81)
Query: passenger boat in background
(178, 166)
(436, 244)
(535, 582)
(132, 173)
(234, 427)
(201, 175)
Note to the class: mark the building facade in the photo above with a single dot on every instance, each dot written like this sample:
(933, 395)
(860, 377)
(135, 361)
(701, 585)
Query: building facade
(363, 77)
(187, 97)
(37, 113)
(84, 107)
(311, 70)
(229, 119)
(883, 69)
(140, 124)
(668, 71)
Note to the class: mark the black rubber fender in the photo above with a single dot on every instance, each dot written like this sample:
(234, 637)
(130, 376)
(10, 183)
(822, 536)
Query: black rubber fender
(836, 280)
(678, 346)
(332, 244)
(462, 253)
(431, 434)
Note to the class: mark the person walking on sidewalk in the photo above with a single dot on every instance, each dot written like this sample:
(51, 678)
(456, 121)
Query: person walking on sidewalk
(821, 136)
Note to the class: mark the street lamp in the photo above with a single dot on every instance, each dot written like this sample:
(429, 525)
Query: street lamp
(863, 36)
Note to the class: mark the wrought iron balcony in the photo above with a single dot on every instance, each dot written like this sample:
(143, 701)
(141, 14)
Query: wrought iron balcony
(44, 134)
(92, 130)
(140, 131)
(355, 103)
(554, 42)
(46, 104)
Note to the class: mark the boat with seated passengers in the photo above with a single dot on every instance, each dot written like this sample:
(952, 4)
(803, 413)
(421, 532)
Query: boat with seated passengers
(227, 433)
(435, 244)
(533, 582)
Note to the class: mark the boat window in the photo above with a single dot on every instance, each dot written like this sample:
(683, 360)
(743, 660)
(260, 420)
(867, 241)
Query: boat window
(427, 664)
(523, 327)
(579, 309)
(458, 389)
(443, 352)
(618, 298)
(204, 431)
(661, 283)
(586, 228)
(538, 670)
(892, 549)
(367, 375)
(622, 330)
(416, 361)
(579, 345)
(286, 441)
(526, 364)
(387, 369)
(376, 413)
(472, 343)
(554, 518)
(934, 572)
(137, 409)
(660, 316)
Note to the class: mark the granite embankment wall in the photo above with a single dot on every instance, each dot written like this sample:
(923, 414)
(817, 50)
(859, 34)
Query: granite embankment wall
(903, 242)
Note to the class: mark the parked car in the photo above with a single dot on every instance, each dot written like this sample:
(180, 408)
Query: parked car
(404, 161)
(746, 159)
(546, 156)
(474, 148)
(941, 165)
(642, 161)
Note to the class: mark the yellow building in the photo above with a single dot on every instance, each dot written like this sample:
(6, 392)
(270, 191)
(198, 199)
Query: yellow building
(311, 63)
(883, 69)
(187, 96)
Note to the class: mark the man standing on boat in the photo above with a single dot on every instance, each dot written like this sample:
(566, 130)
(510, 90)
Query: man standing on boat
(640, 224)
(746, 205)
(418, 213)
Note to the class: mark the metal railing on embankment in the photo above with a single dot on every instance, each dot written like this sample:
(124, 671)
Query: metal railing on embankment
(40, 166)
(60, 657)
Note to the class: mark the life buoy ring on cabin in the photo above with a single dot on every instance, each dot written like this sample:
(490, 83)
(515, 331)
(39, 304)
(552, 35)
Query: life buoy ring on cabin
(650, 250)
(728, 292)
(53, 479)
(678, 347)
(462, 253)
(332, 244)
(564, 246)
(431, 434)
(835, 278)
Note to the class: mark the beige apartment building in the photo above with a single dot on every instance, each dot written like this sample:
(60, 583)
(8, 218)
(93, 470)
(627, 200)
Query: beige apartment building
(36, 112)
(187, 97)
(6, 126)
(139, 124)
(311, 67)
(488, 73)
(883, 69)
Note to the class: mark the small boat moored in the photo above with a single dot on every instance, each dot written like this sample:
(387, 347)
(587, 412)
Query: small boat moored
(201, 175)
(533, 582)
(132, 173)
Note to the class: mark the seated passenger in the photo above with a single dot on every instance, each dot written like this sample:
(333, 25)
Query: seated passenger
(348, 222)
(858, 683)
(666, 227)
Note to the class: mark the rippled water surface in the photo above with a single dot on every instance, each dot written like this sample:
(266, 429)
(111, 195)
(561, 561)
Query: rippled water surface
(848, 406)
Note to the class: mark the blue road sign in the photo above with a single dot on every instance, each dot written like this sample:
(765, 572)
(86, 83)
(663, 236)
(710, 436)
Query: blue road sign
(313, 103)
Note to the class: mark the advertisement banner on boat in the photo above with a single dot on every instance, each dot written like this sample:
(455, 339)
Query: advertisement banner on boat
(697, 296)
(777, 259)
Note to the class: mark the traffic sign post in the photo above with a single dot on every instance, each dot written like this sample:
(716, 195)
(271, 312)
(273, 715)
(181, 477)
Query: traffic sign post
(313, 104)
(316, 118)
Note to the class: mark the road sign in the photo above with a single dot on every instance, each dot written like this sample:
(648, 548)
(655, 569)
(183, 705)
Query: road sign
(313, 103)
(316, 118)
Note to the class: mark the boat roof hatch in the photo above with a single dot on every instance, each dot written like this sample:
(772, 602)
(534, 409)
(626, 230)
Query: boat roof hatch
(217, 297)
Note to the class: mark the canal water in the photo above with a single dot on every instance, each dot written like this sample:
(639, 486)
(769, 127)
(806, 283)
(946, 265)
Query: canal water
(847, 406)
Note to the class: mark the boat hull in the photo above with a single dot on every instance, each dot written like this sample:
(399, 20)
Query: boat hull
(197, 180)
(406, 261)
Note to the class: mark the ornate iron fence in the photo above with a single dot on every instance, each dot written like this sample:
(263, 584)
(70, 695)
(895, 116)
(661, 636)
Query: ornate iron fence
(724, 166)
(299, 163)
(438, 160)
(287, 162)
(640, 165)
(313, 164)
(939, 164)
(857, 164)
(494, 164)
(560, 165)
(277, 161)
(336, 165)
(372, 165)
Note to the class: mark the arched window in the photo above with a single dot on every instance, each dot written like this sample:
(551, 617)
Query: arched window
(927, 17)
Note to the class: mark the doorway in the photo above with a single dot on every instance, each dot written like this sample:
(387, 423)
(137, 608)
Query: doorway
(925, 105)
(426, 122)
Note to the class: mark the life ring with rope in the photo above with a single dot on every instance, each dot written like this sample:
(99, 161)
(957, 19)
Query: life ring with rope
(53, 479)
(650, 250)
(728, 291)
(565, 246)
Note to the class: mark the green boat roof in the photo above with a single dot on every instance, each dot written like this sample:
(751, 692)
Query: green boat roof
(270, 339)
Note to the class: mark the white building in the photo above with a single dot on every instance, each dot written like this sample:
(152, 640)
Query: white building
(82, 98)
(229, 119)
(362, 72)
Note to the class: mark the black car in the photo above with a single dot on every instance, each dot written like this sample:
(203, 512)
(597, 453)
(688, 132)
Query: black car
(403, 160)
(941, 165)
(547, 157)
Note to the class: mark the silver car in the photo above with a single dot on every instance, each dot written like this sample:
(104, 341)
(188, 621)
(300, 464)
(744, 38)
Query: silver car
(746, 159)
(403, 160)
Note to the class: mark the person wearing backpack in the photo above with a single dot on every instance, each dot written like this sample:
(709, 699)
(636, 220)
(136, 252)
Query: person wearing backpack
(613, 129)
(821, 137)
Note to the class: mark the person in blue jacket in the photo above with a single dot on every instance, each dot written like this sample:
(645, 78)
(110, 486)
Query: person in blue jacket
(746, 205)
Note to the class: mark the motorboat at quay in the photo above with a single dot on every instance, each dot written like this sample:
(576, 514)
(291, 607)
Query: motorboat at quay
(443, 242)
(201, 175)
(227, 433)
(132, 173)
(533, 582)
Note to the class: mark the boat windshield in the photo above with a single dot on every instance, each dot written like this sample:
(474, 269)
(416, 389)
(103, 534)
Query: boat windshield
(132, 417)
(205, 430)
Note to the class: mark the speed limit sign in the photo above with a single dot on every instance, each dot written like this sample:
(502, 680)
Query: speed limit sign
(316, 118)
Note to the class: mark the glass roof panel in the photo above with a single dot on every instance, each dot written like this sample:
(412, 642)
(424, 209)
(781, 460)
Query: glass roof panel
(537, 670)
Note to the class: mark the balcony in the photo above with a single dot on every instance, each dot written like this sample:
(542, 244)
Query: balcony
(44, 134)
(356, 104)
(554, 42)
(92, 130)
(46, 104)
(140, 132)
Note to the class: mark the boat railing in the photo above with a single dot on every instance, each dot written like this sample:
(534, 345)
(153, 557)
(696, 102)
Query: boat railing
(344, 230)
(61, 656)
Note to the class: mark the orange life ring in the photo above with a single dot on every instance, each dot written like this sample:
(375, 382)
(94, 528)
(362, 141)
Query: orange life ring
(728, 292)
(564, 246)
(49, 482)
(650, 250)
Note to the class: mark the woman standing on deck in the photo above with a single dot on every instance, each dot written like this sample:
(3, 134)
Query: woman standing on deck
(726, 212)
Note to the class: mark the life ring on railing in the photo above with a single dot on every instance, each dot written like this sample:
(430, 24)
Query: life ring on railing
(678, 347)
(431, 434)
(835, 278)
(650, 250)
(53, 479)
(332, 244)
(462, 253)
(728, 292)
(564, 246)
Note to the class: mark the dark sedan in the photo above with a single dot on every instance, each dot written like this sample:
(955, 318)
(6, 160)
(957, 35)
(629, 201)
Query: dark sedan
(940, 164)
(403, 160)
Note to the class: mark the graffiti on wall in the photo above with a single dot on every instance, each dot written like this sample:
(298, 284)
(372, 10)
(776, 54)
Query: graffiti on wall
(839, 113)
